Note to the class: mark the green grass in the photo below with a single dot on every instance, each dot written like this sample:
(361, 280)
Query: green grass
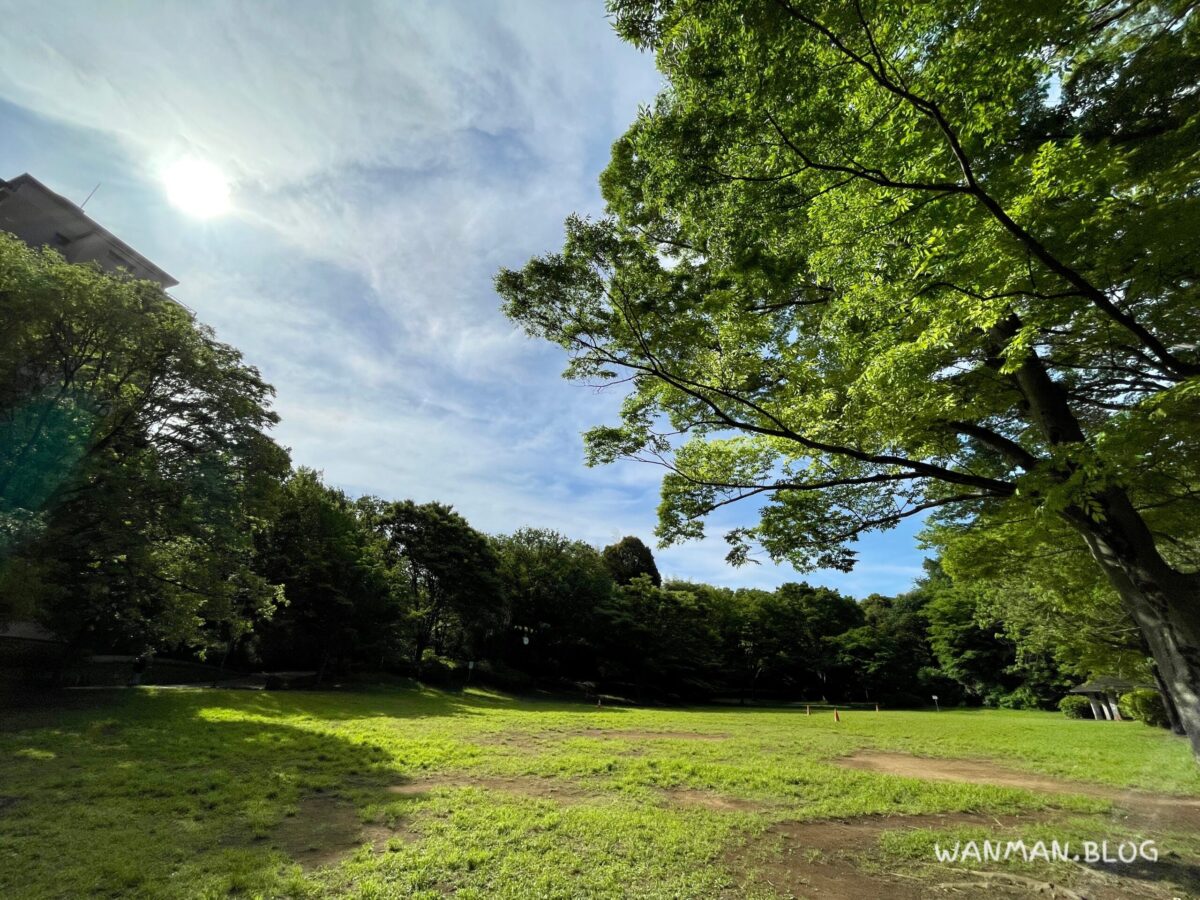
(195, 793)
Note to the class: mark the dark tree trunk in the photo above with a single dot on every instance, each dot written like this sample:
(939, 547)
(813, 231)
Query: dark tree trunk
(1172, 711)
(1164, 602)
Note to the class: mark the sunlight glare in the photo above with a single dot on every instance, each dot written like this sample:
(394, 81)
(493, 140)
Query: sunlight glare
(198, 188)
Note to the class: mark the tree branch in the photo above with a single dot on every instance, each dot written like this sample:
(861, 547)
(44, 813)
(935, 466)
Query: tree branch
(1167, 361)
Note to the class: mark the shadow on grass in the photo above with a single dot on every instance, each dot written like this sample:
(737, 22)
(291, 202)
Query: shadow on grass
(143, 795)
(1167, 869)
(399, 703)
(33, 708)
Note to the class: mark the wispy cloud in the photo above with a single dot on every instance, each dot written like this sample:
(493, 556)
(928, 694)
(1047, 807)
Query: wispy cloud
(386, 159)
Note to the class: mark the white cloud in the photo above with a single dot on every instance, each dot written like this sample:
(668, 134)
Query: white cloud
(345, 126)
(278, 93)
(385, 158)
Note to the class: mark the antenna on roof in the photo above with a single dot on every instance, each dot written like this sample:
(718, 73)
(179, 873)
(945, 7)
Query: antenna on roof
(89, 196)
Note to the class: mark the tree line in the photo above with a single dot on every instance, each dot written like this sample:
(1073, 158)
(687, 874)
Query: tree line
(145, 509)
(858, 263)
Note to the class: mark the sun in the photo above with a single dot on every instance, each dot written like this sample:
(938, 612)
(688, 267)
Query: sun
(197, 188)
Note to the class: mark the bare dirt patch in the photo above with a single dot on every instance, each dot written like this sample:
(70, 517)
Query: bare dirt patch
(862, 833)
(653, 735)
(383, 838)
(560, 789)
(327, 829)
(511, 740)
(826, 859)
(1154, 809)
(839, 860)
(710, 800)
(322, 831)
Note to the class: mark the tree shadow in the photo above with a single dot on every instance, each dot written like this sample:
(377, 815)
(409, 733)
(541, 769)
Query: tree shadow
(40, 707)
(140, 796)
(417, 702)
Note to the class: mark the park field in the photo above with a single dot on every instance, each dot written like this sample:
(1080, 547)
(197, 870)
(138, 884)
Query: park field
(399, 792)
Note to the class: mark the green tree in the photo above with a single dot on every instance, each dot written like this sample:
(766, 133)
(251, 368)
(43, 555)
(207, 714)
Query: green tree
(134, 462)
(1051, 602)
(455, 593)
(746, 651)
(813, 615)
(863, 261)
(342, 607)
(970, 646)
(552, 587)
(628, 558)
(889, 656)
(659, 640)
(785, 638)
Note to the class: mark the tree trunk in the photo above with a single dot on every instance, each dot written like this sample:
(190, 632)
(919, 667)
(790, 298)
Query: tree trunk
(1168, 702)
(1164, 602)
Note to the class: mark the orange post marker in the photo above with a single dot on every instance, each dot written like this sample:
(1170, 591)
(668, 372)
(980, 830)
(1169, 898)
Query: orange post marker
(836, 716)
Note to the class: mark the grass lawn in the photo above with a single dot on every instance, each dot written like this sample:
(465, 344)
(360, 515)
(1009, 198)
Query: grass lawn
(410, 792)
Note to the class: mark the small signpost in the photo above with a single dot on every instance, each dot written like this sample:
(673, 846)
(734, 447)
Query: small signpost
(937, 706)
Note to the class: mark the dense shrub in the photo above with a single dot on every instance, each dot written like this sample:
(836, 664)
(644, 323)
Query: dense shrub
(1076, 706)
(439, 670)
(1145, 706)
(1023, 697)
(506, 678)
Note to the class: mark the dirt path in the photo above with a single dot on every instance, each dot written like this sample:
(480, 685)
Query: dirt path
(564, 790)
(834, 860)
(1155, 809)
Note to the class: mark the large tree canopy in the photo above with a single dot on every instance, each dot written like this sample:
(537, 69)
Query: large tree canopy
(453, 576)
(552, 588)
(868, 260)
(343, 602)
(134, 463)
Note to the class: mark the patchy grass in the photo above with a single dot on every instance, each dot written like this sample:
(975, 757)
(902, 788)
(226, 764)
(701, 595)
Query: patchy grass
(199, 793)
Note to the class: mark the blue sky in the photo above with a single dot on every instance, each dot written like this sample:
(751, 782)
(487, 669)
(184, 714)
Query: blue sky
(385, 159)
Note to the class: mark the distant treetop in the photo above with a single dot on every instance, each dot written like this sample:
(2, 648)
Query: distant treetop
(628, 558)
